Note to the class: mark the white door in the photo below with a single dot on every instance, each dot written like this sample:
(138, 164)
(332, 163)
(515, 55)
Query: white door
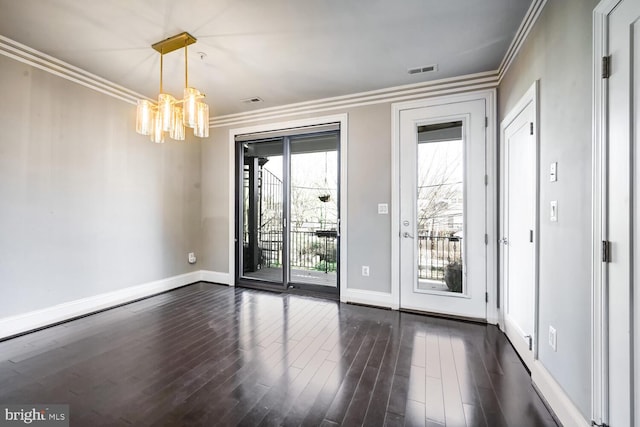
(443, 209)
(622, 226)
(518, 203)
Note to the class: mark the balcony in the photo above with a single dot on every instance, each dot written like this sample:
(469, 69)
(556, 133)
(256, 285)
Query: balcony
(313, 257)
(435, 254)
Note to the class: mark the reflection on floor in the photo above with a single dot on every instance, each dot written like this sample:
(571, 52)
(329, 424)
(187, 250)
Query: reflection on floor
(312, 277)
(208, 355)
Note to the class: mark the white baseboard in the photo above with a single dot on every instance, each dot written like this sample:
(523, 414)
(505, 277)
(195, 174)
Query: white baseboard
(21, 323)
(566, 411)
(216, 277)
(378, 299)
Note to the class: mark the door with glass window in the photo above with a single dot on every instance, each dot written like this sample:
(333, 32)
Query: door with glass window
(443, 209)
(287, 213)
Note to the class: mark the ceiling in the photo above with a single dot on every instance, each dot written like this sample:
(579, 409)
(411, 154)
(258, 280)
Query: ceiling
(283, 51)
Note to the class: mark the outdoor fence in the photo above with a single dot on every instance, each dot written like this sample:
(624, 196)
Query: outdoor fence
(435, 253)
(310, 250)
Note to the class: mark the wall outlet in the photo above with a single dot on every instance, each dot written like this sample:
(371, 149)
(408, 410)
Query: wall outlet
(192, 258)
(365, 270)
(383, 208)
(552, 338)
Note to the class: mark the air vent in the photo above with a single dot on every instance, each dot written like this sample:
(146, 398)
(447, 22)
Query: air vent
(425, 69)
(253, 100)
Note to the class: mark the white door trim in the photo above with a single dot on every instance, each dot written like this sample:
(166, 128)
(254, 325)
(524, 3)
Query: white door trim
(529, 98)
(599, 313)
(489, 96)
(337, 118)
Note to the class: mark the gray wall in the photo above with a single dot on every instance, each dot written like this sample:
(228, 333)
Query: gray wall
(368, 181)
(558, 52)
(87, 206)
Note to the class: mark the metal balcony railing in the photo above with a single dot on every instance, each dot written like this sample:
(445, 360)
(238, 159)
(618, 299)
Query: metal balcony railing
(310, 249)
(435, 253)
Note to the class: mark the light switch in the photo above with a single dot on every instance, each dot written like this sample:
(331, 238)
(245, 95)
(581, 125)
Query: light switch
(553, 174)
(383, 208)
(553, 213)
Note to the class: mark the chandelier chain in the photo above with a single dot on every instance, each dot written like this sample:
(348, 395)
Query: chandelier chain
(161, 66)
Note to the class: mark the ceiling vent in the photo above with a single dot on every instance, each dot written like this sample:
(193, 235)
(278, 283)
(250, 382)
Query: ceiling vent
(425, 69)
(252, 100)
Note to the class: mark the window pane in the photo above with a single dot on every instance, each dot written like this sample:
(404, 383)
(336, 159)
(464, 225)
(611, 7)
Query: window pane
(440, 207)
(262, 241)
(314, 209)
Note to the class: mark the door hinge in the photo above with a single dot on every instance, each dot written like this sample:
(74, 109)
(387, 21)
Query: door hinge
(486, 239)
(486, 297)
(486, 180)
(530, 236)
(606, 67)
(531, 128)
(530, 341)
(486, 121)
(606, 251)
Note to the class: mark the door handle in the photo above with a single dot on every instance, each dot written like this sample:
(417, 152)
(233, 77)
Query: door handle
(406, 234)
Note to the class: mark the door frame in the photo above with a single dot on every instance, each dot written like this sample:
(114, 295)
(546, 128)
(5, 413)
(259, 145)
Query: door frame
(599, 312)
(599, 269)
(489, 96)
(529, 98)
(338, 118)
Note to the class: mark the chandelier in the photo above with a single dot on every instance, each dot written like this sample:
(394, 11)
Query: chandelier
(170, 115)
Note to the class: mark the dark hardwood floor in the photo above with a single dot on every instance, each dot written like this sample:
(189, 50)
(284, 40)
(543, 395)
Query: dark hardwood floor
(212, 355)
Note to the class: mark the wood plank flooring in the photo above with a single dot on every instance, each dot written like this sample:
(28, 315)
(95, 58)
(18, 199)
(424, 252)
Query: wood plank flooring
(206, 355)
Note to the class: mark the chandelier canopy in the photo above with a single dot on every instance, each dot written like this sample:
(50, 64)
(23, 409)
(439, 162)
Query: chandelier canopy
(170, 115)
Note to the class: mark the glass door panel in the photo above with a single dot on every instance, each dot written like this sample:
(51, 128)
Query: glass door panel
(313, 235)
(440, 207)
(262, 212)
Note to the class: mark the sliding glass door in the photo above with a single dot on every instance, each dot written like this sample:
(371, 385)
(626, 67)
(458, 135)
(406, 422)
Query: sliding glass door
(287, 213)
(313, 235)
(262, 210)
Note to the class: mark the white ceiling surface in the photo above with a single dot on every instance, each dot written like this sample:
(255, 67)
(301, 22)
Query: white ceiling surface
(283, 51)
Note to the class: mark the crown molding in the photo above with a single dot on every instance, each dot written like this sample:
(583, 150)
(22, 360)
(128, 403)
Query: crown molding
(520, 37)
(471, 82)
(453, 85)
(22, 53)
